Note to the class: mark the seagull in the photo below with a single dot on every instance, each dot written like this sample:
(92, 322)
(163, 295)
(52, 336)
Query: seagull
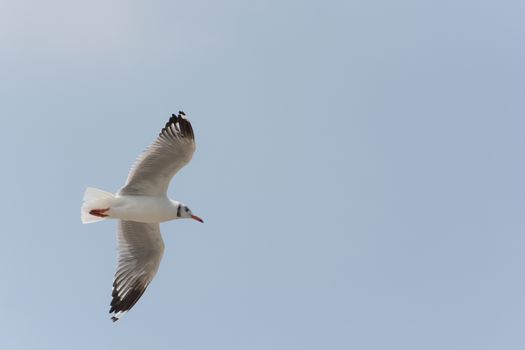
(139, 207)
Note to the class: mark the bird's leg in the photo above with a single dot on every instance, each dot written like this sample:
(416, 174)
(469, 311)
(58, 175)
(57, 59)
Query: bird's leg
(99, 212)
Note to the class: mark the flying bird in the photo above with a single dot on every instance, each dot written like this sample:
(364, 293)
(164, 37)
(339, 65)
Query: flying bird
(139, 207)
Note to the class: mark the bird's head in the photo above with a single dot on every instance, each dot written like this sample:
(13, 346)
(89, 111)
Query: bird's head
(183, 212)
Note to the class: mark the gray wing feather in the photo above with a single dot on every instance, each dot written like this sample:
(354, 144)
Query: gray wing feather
(153, 170)
(140, 249)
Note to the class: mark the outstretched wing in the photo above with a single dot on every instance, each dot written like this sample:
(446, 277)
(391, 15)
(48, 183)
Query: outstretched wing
(140, 249)
(152, 172)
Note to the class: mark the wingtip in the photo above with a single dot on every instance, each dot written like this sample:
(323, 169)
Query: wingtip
(180, 115)
(183, 125)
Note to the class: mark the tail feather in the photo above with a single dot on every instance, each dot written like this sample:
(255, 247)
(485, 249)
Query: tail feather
(94, 199)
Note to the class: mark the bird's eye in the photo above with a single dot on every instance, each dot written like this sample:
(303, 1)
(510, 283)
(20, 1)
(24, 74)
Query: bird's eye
(187, 209)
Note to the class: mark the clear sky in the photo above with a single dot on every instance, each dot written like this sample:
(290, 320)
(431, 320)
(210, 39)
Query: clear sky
(359, 167)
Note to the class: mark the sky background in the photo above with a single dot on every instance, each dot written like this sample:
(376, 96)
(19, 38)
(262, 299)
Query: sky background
(359, 167)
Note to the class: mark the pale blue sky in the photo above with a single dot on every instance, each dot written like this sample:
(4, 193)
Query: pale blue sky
(359, 168)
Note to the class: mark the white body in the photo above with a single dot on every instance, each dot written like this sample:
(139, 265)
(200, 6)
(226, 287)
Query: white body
(149, 209)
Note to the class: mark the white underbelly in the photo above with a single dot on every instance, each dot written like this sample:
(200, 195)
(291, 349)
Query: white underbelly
(142, 209)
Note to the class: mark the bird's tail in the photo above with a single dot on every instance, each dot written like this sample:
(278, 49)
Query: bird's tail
(95, 202)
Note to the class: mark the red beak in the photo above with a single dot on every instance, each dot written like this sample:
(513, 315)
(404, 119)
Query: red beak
(195, 217)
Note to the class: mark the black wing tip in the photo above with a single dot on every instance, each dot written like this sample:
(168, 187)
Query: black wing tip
(184, 125)
(122, 305)
(180, 115)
